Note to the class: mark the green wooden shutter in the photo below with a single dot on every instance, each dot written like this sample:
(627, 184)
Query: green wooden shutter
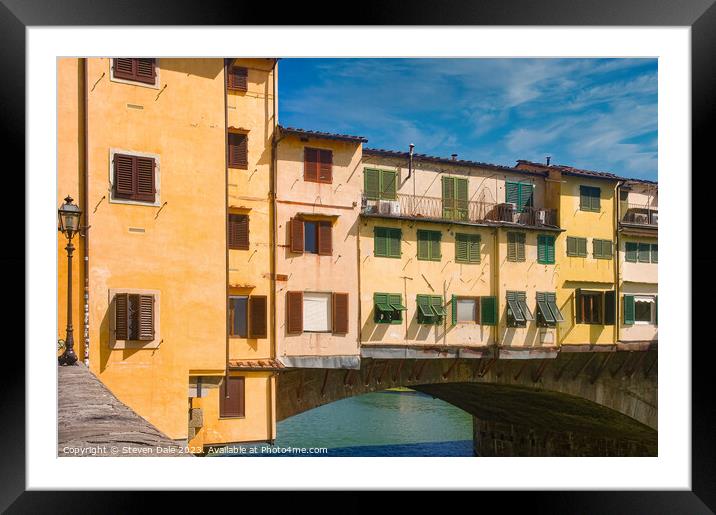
(511, 247)
(423, 245)
(474, 249)
(596, 199)
(584, 199)
(448, 197)
(388, 184)
(488, 310)
(371, 186)
(461, 198)
(631, 251)
(380, 241)
(628, 309)
(526, 195)
(394, 237)
(435, 246)
(571, 246)
(453, 302)
(550, 250)
(654, 253)
(644, 253)
(582, 247)
(462, 253)
(512, 193)
(520, 244)
(541, 249)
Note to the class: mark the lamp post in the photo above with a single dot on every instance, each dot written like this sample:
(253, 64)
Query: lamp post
(69, 223)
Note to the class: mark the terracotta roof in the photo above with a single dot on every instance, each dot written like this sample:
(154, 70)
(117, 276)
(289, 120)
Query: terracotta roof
(445, 160)
(569, 170)
(318, 134)
(256, 364)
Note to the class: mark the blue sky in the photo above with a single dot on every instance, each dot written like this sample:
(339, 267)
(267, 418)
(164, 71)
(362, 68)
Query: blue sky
(598, 114)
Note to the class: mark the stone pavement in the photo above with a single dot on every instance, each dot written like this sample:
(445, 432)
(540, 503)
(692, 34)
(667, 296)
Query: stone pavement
(93, 422)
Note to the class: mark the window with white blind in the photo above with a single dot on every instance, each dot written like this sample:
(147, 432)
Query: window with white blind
(466, 310)
(317, 312)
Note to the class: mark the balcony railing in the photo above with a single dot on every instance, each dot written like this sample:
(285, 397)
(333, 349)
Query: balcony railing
(434, 208)
(639, 214)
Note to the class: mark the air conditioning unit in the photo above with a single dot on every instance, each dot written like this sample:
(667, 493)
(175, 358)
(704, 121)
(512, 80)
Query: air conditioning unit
(641, 218)
(541, 216)
(395, 208)
(369, 206)
(384, 207)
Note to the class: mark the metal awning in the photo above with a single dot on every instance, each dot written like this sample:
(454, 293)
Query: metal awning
(552, 304)
(516, 311)
(544, 310)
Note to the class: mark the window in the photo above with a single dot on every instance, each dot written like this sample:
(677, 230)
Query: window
(520, 194)
(134, 317)
(545, 249)
(238, 150)
(317, 165)
(518, 313)
(313, 237)
(430, 309)
(644, 253)
(247, 316)
(576, 247)
(232, 397)
(640, 309)
(388, 308)
(133, 178)
(589, 307)
(380, 184)
(236, 77)
(601, 249)
(654, 253)
(454, 198)
(467, 248)
(239, 232)
(515, 246)
(632, 251)
(316, 312)
(135, 69)
(589, 198)
(386, 242)
(429, 245)
(548, 314)
(465, 310)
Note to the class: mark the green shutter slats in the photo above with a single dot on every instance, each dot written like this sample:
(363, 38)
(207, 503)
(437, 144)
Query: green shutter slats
(515, 246)
(461, 198)
(423, 246)
(582, 247)
(628, 309)
(448, 188)
(429, 245)
(589, 198)
(453, 304)
(644, 253)
(488, 310)
(631, 251)
(512, 192)
(371, 183)
(394, 238)
(389, 187)
(462, 253)
(380, 241)
(545, 249)
(654, 253)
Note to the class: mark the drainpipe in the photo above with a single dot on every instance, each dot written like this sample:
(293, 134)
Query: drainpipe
(226, 214)
(617, 271)
(496, 286)
(272, 196)
(84, 203)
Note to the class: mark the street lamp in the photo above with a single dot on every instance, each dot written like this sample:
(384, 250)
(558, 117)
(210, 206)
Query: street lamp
(69, 223)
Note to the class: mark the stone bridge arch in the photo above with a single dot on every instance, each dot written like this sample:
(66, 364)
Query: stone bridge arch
(579, 403)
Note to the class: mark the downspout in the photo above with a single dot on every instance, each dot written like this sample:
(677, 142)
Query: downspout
(272, 196)
(496, 287)
(226, 215)
(85, 191)
(616, 254)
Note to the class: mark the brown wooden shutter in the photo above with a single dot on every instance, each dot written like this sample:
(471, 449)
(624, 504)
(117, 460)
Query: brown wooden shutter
(232, 397)
(340, 313)
(294, 311)
(146, 318)
(238, 151)
(144, 167)
(123, 176)
(239, 232)
(123, 68)
(325, 238)
(325, 166)
(121, 301)
(237, 78)
(257, 316)
(296, 235)
(310, 164)
(145, 70)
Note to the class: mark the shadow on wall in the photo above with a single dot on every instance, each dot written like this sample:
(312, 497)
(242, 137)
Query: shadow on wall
(207, 68)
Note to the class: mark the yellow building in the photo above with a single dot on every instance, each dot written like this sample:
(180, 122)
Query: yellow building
(454, 254)
(585, 253)
(143, 147)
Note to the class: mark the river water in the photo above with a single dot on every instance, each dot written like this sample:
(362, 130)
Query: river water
(375, 424)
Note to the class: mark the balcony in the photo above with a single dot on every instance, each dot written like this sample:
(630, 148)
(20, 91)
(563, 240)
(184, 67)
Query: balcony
(435, 208)
(639, 214)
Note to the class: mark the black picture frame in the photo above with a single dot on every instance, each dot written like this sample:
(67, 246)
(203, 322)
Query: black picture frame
(700, 15)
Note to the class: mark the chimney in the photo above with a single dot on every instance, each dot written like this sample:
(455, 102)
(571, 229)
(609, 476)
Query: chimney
(548, 159)
(454, 157)
(410, 161)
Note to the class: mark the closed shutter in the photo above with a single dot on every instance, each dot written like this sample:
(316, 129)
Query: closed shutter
(488, 310)
(512, 193)
(394, 238)
(325, 239)
(511, 246)
(526, 195)
(124, 68)
(238, 151)
(474, 248)
(237, 78)
(654, 253)
(582, 247)
(123, 176)
(448, 197)
(296, 235)
(121, 303)
(310, 164)
(146, 70)
(520, 244)
(325, 166)
(423, 245)
(380, 241)
(340, 313)
(389, 188)
(596, 248)
(145, 179)
(461, 198)
(232, 397)
(644, 253)
(628, 309)
(453, 304)
(239, 232)
(631, 251)
(371, 183)
(541, 249)
(146, 318)
(462, 252)
(610, 307)
(585, 202)
(578, 305)
(571, 246)
(435, 246)
(294, 312)
(258, 310)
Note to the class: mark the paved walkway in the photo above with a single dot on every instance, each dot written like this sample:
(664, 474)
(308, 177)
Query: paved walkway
(93, 422)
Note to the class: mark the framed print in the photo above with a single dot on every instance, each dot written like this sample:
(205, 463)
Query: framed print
(431, 241)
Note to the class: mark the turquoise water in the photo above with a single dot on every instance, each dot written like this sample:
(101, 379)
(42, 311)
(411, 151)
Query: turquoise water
(375, 424)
